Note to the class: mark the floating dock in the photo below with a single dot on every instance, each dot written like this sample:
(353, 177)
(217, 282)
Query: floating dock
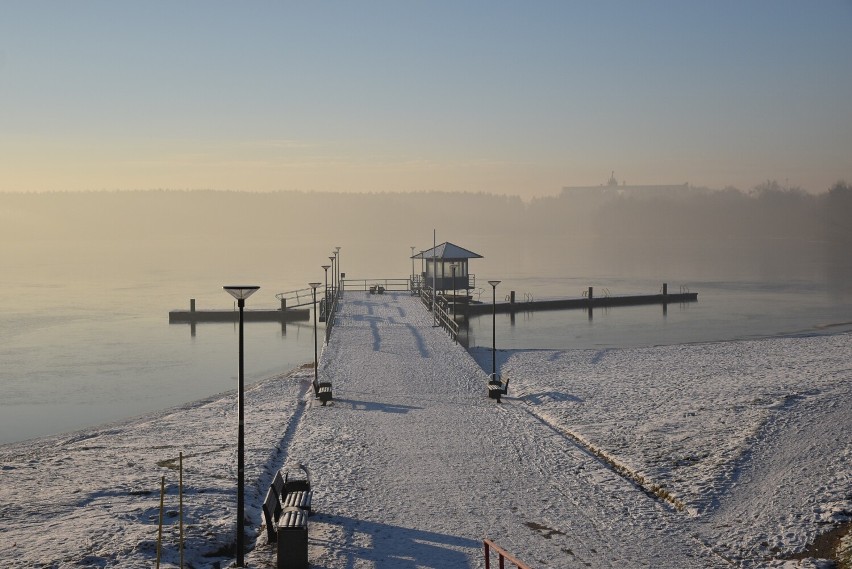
(583, 302)
(258, 315)
(275, 315)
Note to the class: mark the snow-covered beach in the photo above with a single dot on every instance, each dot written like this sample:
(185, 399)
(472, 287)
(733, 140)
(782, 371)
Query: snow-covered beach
(699, 455)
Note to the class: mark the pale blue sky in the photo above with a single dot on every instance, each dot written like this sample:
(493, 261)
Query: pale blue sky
(507, 97)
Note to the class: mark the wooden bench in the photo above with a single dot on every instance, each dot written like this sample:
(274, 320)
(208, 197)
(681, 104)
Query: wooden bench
(322, 391)
(496, 388)
(286, 495)
(272, 506)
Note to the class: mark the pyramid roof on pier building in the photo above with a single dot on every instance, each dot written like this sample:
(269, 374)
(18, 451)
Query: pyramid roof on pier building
(448, 252)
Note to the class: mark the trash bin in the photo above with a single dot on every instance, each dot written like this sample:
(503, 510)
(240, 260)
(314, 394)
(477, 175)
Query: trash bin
(293, 539)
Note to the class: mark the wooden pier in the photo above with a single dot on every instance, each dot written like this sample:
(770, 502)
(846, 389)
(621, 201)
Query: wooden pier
(589, 301)
(193, 316)
(272, 315)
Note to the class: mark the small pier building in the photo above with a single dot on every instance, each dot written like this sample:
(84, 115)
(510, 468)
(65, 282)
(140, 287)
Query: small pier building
(445, 268)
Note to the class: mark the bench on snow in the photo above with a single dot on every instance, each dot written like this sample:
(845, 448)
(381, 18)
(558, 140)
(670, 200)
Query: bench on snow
(286, 495)
(496, 388)
(322, 391)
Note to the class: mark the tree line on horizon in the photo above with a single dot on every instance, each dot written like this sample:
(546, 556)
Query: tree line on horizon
(769, 211)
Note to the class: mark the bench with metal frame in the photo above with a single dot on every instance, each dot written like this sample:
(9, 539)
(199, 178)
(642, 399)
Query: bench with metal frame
(286, 510)
(497, 388)
(322, 391)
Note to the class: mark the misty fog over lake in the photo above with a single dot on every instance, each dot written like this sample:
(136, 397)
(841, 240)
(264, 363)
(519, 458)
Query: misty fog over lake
(694, 233)
(89, 278)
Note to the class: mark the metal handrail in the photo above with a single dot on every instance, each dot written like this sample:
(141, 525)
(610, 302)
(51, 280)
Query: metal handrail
(388, 284)
(442, 314)
(302, 297)
(502, 554)
(330, 315)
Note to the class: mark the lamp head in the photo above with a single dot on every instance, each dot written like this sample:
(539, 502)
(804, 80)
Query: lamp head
(313, 285)
(325, 267)
(494, 283)
(241, 292)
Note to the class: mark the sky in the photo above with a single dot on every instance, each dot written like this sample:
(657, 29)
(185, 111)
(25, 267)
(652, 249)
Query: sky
(506, 97)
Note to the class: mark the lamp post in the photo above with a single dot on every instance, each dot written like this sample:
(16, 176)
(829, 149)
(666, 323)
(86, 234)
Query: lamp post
(241, 293)
(453, 270)
(337, 254)
(332, 258)
(325, 310)
(434, 279)
(493, 329)
(314, 293)
(412, 267)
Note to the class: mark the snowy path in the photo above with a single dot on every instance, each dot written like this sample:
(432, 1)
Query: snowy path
(413, 465)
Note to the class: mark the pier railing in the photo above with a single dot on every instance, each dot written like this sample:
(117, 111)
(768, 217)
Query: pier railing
(502, 556)
(296, 298)
(331, 312)
(387, 284)
(441, 312)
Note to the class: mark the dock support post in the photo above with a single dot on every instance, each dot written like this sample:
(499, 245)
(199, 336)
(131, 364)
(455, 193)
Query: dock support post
(192, 305)
(591, 296)
(665, 289)
(283, 304)
(512, 297)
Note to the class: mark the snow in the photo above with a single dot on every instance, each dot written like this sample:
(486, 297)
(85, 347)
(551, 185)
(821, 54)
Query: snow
(701, 455)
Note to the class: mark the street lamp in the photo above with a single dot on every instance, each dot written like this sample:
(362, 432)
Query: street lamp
(314, 293)
(325, 310)
(337, 254)
(332, 258)
(412, 267)
(453, 269)
(493, 329)
(241, 293)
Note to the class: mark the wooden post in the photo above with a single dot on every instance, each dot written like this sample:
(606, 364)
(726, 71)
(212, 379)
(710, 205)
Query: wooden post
(591, 296)
(512, 297)
(283, 304)
(192, 305)
(160, 530)
(665, 289)
(487, 555)
(180, 490)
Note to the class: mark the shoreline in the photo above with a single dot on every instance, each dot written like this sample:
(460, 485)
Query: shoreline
(474, 352)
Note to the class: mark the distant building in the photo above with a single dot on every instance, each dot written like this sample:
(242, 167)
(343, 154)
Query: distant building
(612, 189)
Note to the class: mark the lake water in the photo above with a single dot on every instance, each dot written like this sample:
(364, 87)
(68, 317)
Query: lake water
(75, 355)
(85, 343)
(725, 310)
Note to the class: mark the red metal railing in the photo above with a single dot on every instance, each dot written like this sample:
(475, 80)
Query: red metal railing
(502, 556)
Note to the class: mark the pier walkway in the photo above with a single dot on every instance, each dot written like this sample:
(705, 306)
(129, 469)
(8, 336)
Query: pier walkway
(413, 465)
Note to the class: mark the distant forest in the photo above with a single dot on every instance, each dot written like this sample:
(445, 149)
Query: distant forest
(692, 234)
(768, 211)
